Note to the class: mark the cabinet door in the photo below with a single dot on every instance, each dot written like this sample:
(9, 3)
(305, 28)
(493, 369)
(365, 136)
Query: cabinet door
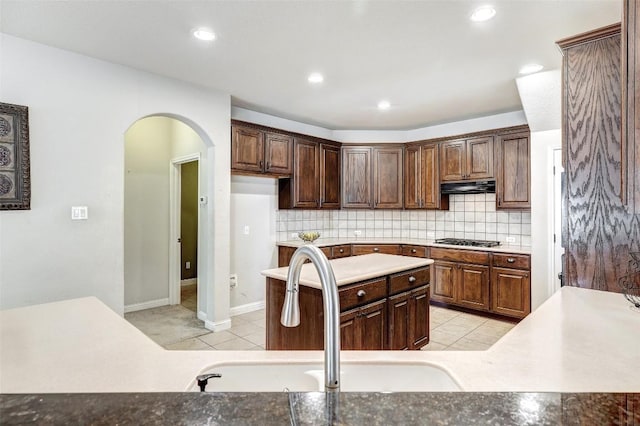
(306, 192)
(329, 177)
(510, 292)
(399, 321)
(278, 153)
(430, 179)
(513, 172)
(373, 326)
(247, 149)
(419, 318)
(479, 158)
(413, 196)
(452, 160)
(387, 178)
(348, 330)
(473, 287)
(443, 281)
(356, 177)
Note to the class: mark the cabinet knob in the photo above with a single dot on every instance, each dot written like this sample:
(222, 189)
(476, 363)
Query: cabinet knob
(361, 293)
(526, 275)
(413, 250)
(261, 163)
(412, 279)
(341, 250)
(376, 249)
(268, 165)
(510, 259)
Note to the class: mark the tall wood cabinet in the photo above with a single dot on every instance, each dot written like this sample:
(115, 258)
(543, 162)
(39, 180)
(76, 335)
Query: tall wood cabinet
(513, 171)
(466, 159)
(599, 230)
(422, 178)
(372, 177)
(306, 177)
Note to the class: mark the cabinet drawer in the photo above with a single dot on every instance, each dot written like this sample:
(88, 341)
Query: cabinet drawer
(358, 249)
(341, 251)
(467, 256)
(327, 252)
(357, 294)
(520, 261)
(409, 279)
(415, 251)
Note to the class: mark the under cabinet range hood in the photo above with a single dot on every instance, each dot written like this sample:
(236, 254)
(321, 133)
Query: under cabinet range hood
(474, 187)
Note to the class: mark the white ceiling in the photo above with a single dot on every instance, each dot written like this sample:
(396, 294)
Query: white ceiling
(426, 57)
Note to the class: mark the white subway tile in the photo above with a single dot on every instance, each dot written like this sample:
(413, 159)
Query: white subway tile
(491, 217)
(490, 206)
(515, 229)
(515, 217)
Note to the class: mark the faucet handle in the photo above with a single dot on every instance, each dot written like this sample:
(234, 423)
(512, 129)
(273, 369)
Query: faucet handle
(203, 379)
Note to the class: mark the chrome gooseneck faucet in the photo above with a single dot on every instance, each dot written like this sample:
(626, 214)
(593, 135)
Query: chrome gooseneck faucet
(291, 309)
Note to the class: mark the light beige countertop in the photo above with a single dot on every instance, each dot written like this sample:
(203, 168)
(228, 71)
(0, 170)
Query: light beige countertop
(323, 242)
(353, 269)
(577, 341)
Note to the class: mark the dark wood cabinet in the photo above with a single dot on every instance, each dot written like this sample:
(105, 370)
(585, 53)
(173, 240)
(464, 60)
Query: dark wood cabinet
(359, 249)
(306, 183)
(511, 289)
(255, 151)
(329, 176)
(409, 319)
(422, 178)
(513, 171)
(364, 328)
(387, 177)
(356, 178)
(473, 286)
(468, 159)
(443, 282)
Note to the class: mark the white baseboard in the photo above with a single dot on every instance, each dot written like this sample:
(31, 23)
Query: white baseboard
(189, 281)
(146, 305)
(202, 316)
(217, 326)
(249, 307)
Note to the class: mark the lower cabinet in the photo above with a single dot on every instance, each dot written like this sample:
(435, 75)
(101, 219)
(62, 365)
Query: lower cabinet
(409, 319)
(511, 289)
(364, 328)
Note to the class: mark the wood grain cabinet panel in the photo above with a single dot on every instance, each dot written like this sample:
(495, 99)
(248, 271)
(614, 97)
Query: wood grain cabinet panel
(473, 287)
(358, 249)
(329, 176)
(247, 149)
(399, 337)
(278, 154)
(413, 196)
(356, 178)
(511, 292)
(415, 251)
(467, 159)
(409, 319)
(387, 178)
(443, 283)
(306, 188)
(513, 171)
(422, 178)
(364, 328)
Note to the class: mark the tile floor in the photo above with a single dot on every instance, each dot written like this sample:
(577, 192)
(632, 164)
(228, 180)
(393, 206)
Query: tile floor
(177, 328)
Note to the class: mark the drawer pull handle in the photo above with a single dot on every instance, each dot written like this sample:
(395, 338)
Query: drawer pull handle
(413, 250)
(361, 293)
(511, 260)
(376, 249)
(412, 279)
(341, 250)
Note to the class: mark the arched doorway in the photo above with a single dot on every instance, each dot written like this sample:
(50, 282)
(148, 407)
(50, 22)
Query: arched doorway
(157, 148)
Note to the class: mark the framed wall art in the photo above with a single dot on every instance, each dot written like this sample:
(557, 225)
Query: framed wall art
(15, 179)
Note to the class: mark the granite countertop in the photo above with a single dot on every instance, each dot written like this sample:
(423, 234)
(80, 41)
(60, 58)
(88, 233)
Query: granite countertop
(321, 408)
(323, 242)
(353, 269)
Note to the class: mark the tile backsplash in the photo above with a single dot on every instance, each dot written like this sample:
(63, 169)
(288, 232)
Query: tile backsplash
(469, 216)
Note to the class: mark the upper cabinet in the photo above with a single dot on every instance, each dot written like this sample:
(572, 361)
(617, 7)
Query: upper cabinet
(306, 185)
(422, 178)
(466, 159)
(329, 176)
(255, 151)
(372, 177)
(513, 171)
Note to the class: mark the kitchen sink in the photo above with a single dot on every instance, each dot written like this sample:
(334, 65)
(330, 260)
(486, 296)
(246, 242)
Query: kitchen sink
(306, 377)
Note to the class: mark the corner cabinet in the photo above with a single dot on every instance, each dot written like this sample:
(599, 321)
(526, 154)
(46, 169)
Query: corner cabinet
(513, 171)
(372, 177)
(468, 159)
(254, 151)
(422, 178)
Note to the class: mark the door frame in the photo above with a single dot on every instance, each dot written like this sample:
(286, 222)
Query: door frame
(556, 203)
(175, 179)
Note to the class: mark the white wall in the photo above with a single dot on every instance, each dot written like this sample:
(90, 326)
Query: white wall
(79, 110)
(542, 279)
(254, 203)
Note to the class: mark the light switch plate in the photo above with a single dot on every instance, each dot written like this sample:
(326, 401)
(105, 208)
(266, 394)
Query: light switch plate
(79, 213)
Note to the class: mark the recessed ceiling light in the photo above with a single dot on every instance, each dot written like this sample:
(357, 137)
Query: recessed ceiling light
(315, 77)
(530, 68)
(204, 34)
(483, 13)
(384, 105)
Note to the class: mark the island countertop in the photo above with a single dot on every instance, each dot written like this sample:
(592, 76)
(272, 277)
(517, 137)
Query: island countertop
(353, 269)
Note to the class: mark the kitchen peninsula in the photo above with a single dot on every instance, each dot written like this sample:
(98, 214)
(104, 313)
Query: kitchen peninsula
(384, 304)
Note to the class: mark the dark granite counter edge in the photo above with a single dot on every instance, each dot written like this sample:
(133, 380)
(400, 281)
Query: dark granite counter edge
(319, 408)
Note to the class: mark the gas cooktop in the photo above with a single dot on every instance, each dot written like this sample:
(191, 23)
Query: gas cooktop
(463, 242)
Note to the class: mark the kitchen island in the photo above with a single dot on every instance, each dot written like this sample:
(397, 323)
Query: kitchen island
(384, 304)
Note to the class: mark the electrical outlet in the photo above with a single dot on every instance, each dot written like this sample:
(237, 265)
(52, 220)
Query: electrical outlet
(510, 239)
(187, 265)
(357, 233)
(246, 230)
(79, 213)
(233, 280)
